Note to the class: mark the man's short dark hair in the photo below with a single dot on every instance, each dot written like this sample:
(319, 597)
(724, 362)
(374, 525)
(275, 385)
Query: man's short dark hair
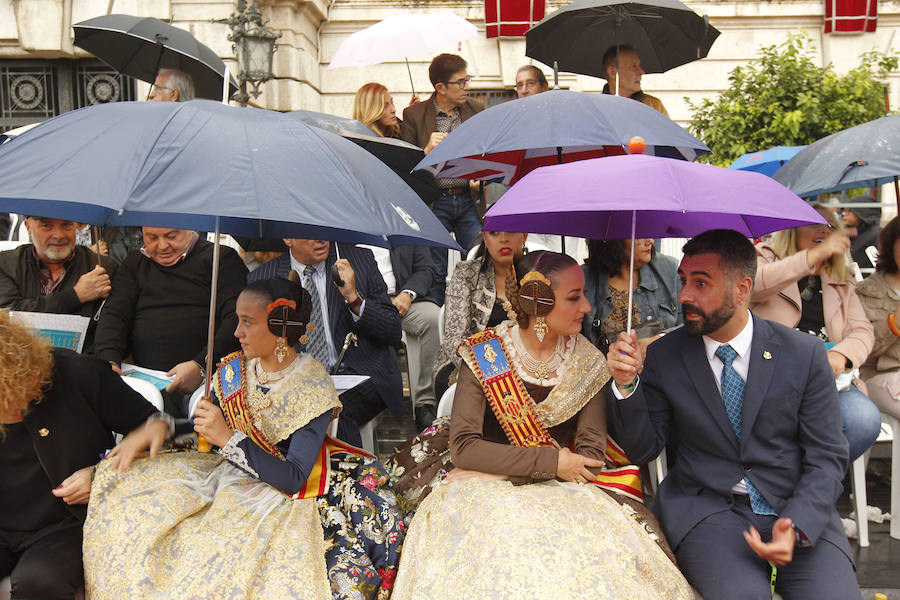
(737, 257)
(609, 57)
(443, 66)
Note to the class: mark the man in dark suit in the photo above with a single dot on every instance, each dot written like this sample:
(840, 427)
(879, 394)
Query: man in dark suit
(425, 124)
(408, 273)
(752, 412)
(360, 305)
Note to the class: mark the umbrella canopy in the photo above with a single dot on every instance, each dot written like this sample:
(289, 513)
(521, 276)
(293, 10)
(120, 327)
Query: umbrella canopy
(664, 33)
(393, 152)
(141, 46)
(200, 165)
(766, 161)
(400, 36)
(668, 198)
(507, 141)
(867, 155)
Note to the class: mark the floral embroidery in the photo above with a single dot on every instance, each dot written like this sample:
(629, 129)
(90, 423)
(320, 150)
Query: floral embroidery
(235, 455)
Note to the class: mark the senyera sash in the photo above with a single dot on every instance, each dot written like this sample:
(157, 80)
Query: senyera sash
(517, 413)
(232, 376)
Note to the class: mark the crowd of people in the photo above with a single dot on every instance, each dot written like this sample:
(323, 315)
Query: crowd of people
(761, 369)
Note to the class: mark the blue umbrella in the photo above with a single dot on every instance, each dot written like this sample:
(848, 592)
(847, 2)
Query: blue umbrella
(861, 156)
(766, 161)
(507, 141)
(208, 166)
(194, 164)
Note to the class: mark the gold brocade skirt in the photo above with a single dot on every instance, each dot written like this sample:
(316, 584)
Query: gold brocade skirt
(478, 539)
(190, 525)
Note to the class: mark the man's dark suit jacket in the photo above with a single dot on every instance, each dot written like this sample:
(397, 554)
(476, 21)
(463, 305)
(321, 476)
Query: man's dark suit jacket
(791, 446)
(420, 119)
(413, 270)
(84, 403)
(378, 328)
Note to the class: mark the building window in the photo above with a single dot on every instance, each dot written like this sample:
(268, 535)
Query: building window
(35, 90)
(492, 97)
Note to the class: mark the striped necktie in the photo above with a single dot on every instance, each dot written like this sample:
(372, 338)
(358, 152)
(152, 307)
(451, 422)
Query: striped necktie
(317, 345)
(733, 396)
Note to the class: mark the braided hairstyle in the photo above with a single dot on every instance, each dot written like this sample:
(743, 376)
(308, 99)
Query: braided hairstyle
(548, 264)
(271, 291)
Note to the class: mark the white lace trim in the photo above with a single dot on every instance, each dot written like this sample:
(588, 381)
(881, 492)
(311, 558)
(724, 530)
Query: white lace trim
(506, 330)
(235, 455)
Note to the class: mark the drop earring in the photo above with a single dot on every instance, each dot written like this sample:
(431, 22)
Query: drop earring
(281, 349)
(540, 328)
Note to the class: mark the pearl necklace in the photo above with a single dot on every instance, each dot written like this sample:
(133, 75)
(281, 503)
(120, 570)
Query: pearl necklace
(541, 369)
(263, 377)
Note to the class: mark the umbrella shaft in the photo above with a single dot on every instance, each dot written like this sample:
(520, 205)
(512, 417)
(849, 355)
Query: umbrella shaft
(213, 294)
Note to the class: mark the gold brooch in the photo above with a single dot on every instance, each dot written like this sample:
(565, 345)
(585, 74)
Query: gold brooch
(43, 432)
(767, 355)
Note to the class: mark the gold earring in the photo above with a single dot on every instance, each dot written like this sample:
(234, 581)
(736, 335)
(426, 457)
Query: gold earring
(540, 328)
(281, 349)
(510, 313)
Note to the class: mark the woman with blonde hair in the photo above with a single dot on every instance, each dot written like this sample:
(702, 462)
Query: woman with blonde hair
(804, 281)
(57, 414)
(374, 107)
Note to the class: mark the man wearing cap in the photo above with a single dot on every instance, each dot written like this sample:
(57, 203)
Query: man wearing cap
(866, 221)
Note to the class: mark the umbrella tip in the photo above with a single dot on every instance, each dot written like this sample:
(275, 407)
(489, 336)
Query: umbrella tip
(636, 145)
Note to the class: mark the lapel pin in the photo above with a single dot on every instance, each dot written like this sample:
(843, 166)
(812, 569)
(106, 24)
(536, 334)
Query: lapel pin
(43, 432)
(767, 355)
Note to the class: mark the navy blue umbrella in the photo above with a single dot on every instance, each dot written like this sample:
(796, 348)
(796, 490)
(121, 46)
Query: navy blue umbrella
(867, 155)
(193, 165)
(509, 140)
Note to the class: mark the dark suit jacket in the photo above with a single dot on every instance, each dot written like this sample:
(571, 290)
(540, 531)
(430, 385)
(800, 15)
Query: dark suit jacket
(413, 270)
(82, 406)
(420, 119)
(791, 446)
(378, 328)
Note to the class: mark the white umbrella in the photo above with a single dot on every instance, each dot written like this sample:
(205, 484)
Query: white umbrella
(401, 36)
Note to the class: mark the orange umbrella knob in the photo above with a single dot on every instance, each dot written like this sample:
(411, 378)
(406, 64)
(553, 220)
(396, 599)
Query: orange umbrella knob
(637, 145)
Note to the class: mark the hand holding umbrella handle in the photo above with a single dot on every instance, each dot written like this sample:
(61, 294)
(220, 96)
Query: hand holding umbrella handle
(202, 444)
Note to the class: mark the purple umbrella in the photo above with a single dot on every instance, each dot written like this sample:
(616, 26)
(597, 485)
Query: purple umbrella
(621, 197)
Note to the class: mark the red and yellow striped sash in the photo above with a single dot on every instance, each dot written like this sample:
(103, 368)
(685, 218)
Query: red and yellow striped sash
(516, 410)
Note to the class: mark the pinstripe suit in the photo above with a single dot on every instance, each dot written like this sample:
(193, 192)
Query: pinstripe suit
(378, 328)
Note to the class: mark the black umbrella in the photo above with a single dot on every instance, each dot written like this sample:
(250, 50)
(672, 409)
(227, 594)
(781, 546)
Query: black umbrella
(141, 46)
(664, 33)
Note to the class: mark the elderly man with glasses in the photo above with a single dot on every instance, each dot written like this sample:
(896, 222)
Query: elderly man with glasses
(425, 124)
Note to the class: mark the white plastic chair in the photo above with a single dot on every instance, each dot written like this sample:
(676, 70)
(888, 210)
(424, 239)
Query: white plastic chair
(413, 355)
(872, 254)
(658, 470)
(147, 390)
(445, 406)
(195, 398)
(889, 432)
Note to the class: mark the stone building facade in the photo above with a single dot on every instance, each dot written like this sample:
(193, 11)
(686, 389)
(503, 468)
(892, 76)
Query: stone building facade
(38, 61)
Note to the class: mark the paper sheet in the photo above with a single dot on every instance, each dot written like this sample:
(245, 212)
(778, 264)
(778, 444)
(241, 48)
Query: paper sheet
(158, 378)
(63, 331)
(342, 383)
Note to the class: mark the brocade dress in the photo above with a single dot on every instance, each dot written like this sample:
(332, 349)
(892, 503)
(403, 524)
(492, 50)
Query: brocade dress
(532, 536)
(233, 524)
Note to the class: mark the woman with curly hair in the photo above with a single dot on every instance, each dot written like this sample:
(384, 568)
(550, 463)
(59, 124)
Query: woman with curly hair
(57, 414)
(281, 510)
(529, 509)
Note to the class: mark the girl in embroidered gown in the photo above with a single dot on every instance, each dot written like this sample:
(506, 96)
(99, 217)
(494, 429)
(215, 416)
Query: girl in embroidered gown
(525, 513)
(281, 510)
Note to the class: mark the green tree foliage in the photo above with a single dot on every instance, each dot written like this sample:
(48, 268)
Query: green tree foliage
(783, 98)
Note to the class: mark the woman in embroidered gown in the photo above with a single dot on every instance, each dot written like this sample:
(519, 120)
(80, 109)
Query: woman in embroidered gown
(280, 511)
(521, 515)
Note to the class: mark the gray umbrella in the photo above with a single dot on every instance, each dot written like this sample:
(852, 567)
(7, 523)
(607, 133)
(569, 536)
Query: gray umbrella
(664, 33)
(861, 156)
(141, 46)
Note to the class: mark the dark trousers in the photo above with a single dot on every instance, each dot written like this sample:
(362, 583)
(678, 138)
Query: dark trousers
(717, 561)
(457, 213)
(42, 567)
(361, 405)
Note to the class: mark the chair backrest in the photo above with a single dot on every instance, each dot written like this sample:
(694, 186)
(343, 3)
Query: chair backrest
(445, 406)
(872, 254)
(147, 390)
(11, 244)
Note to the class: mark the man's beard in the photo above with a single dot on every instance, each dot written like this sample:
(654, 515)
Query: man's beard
(56, 254)
(708, 323)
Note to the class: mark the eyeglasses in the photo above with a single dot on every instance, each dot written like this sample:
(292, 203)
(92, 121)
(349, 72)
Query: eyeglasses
(531, 83)
(462, 82)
